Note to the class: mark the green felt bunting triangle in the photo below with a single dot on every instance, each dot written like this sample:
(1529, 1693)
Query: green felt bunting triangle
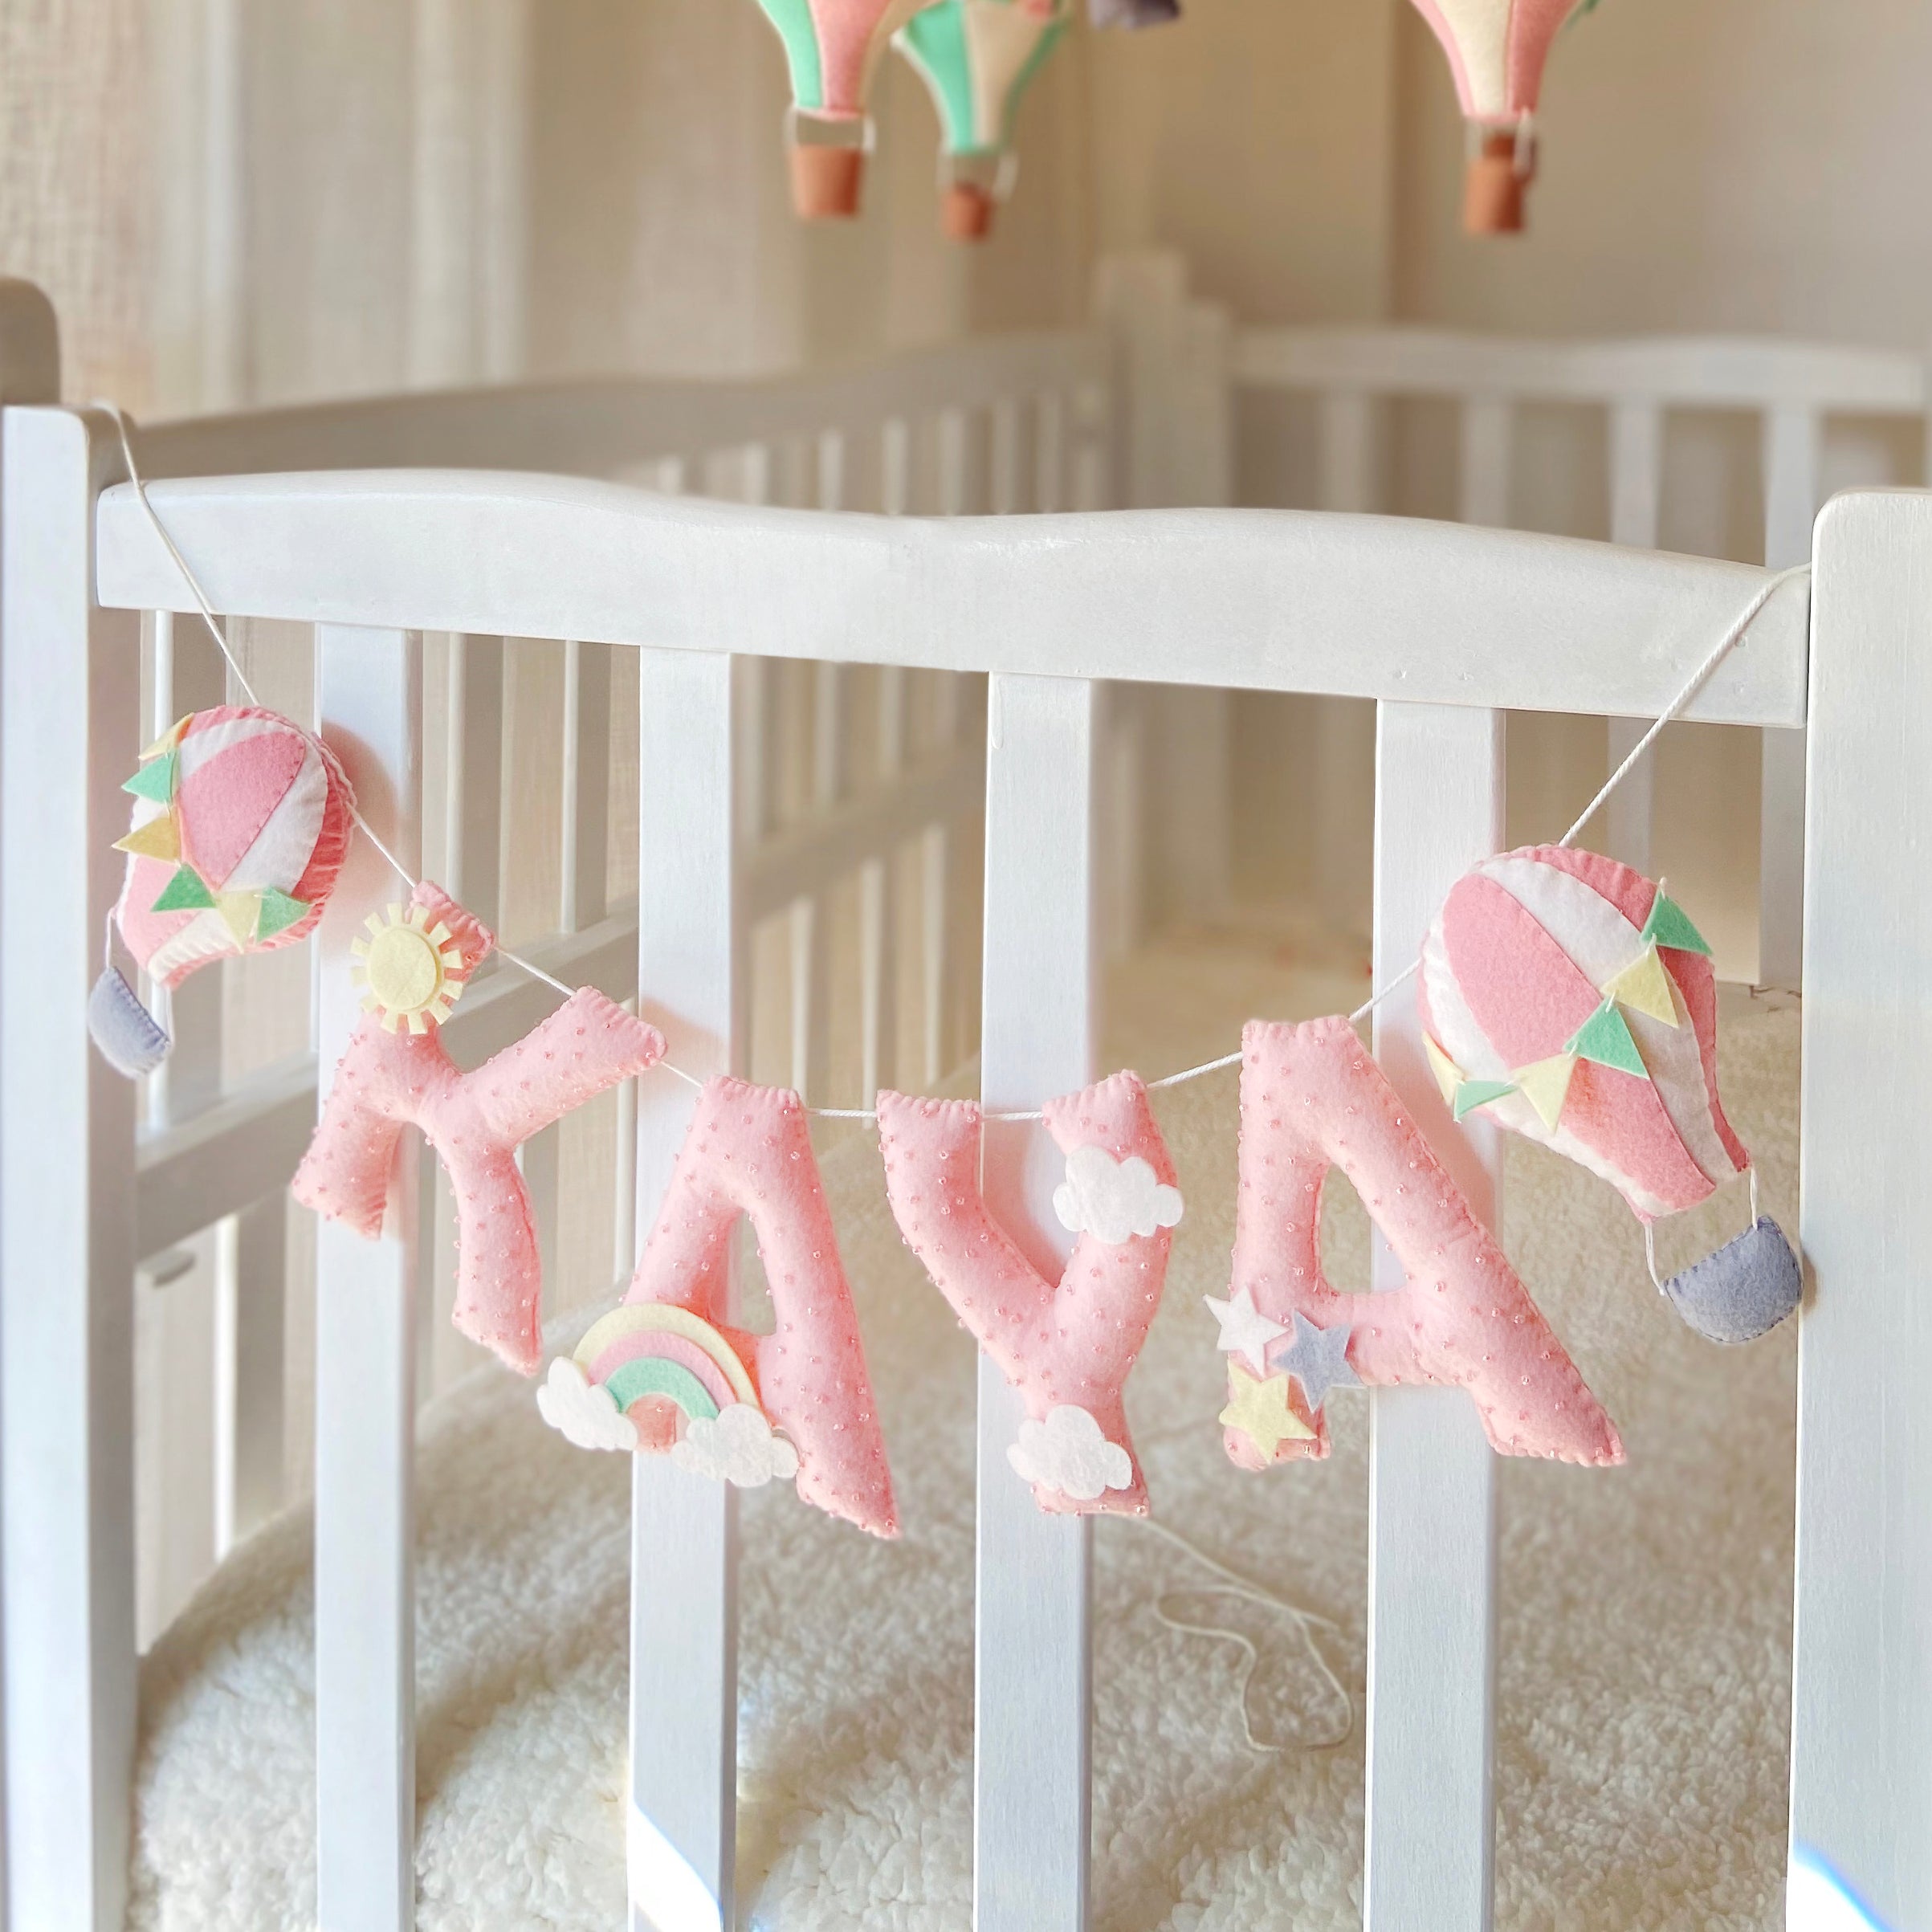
(184, 893)
(155, 780)
(1605, 1038)
(1473, 1093)
(279, 912)
(1670, 925)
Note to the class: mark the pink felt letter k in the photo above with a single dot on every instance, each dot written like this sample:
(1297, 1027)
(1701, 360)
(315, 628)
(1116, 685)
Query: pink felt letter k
(1063, 1345)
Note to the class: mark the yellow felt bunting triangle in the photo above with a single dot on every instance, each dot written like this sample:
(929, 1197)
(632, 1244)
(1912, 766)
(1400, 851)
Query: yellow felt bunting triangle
(156, 839)
(1546, 1085)
(1449, 1076)
(1644, 987)
(168, 738)
(241, 913)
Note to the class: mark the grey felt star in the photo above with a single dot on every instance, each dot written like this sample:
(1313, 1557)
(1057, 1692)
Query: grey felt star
(1318, 1359)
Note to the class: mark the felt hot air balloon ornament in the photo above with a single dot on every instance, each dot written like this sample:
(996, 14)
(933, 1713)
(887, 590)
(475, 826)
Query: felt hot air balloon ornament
(1571, 1000)
(241, 822)
(977, 58)
(1496, 50)
(833, 49)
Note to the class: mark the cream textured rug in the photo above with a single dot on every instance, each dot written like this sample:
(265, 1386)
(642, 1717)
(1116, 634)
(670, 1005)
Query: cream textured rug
(1644, 1654)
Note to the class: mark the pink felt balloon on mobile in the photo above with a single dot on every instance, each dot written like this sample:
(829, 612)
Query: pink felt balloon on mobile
(1496, 50)
(833, 48)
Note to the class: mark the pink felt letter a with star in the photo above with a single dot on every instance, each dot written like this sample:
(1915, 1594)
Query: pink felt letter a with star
(1065, 1346)
(1313, 1098)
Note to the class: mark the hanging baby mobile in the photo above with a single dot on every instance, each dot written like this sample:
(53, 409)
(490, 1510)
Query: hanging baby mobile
(241, 821)
(1497, 50)
(977, 58)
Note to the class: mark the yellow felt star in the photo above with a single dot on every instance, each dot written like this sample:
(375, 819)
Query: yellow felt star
(1260, 1411)
(1449, 1076)
(158, 838)
(1644, 987)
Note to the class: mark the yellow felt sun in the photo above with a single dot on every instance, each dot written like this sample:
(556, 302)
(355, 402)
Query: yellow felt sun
(407, 969)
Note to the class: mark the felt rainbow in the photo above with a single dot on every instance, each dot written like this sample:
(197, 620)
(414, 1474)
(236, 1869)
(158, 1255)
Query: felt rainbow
(1571, 1000)
(646, 1349)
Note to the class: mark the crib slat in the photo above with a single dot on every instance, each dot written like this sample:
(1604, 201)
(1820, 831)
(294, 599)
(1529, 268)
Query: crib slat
(586, 784)
(1792, 457)
(879, 976)
(473, 774)
(1861, 1715)
(1031, 1685)
(1431, 1619)
(936, 874)
(1483, 493)
(1637, 480)
(251, 1289)
(70, 719)
(369, 699)
(684, 1621)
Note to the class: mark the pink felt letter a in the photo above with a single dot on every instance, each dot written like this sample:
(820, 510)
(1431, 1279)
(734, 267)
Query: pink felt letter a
(1313, 1098)
(749, 1152)
(1065, 1345)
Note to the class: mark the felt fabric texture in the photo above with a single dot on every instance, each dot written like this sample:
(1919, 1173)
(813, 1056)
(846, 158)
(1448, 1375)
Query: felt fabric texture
(129, 1037)
(475, 1122)
(1066, 1343)
(1514, 975)
(1744, 1290)
(749, 1153)
(1644, 1660)
(253, 808)
(833, 48)
(1312, 1099)
(1497, 50)
(977, 58)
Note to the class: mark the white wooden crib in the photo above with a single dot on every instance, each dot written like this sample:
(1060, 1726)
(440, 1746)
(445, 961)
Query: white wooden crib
(312, 520)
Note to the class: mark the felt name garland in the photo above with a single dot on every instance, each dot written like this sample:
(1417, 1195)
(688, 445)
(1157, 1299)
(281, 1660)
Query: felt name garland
(1066, 1346)
(395, 1072)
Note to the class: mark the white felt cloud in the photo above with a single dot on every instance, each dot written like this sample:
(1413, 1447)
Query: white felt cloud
(578, 1409)
(1111, 1198)
(738, 1448)
(1068, 1452)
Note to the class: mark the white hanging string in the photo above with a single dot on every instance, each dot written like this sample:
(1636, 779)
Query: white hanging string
(1306, 1622)
(1732, 638)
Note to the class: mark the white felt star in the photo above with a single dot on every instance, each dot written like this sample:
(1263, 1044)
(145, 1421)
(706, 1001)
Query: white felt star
(1318, 1359)
(1244, 1331)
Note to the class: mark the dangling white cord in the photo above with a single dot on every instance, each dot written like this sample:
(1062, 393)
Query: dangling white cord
(1650, 1232)
(1306, 1621)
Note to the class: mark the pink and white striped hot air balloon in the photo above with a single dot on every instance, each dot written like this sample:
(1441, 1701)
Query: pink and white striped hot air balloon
(242, 820)
(1572, 1000)
(1496, 50)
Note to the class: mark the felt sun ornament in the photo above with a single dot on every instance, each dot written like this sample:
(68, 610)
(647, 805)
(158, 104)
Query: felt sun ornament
(409, 968)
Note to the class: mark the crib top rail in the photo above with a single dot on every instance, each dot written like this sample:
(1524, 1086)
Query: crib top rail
(1360, 606)
(600, 426)
(1688, 371)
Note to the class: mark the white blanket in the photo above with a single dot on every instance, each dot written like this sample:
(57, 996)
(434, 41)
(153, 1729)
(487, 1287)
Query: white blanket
(1645, 1649)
